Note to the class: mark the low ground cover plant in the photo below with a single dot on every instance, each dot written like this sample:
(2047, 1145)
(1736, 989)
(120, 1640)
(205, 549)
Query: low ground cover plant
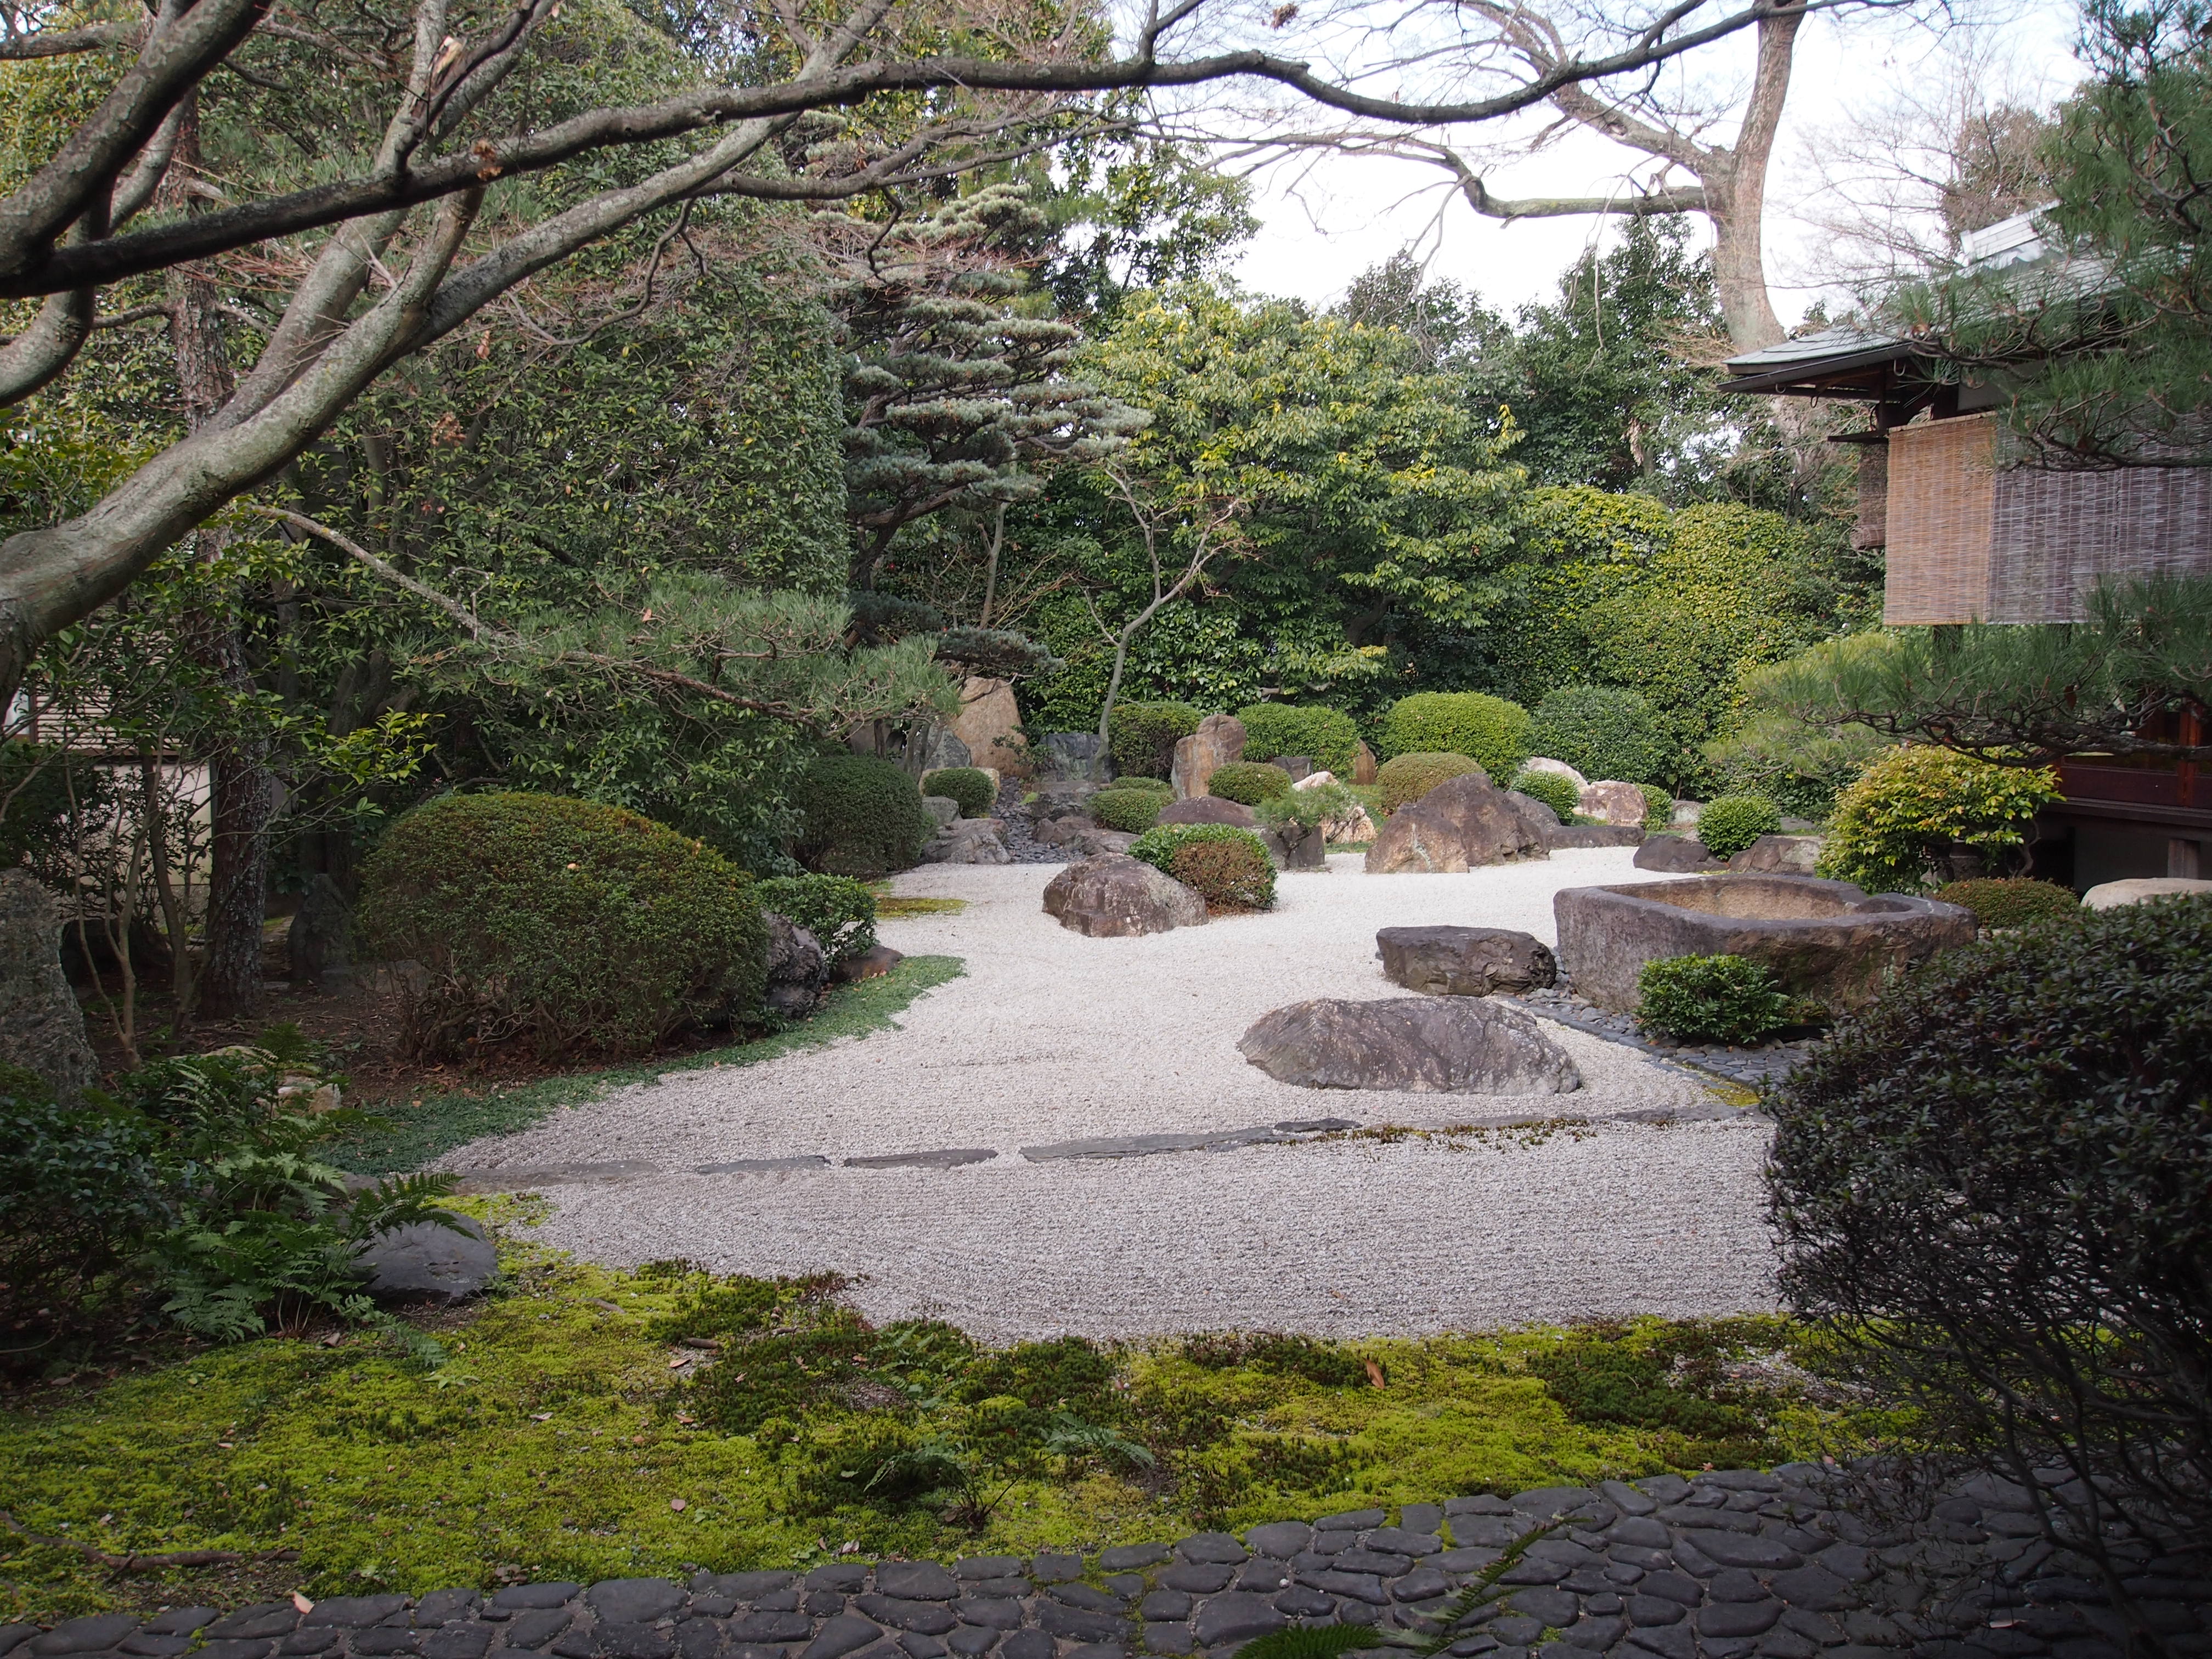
(1720, 999)
(1226, 866)
(1492, 732)
(1732, 823)
(575, 927)
(1248, 782)
(839, 911)
(969, 787)
(1141, 736)
(551, 1442)
(1893, 830)
(1989, 1190)
(861, 816)
(1555, 792)
(1327, 737)
(1404, 779)
(1130, 810)
(2013, 902)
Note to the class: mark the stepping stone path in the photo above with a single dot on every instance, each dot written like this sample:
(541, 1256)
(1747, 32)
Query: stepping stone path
(1732, 1565)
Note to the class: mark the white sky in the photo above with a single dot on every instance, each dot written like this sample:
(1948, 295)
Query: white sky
(1324, 224)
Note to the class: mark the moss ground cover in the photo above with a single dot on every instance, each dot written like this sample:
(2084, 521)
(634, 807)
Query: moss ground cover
(586, 1424)
(410, 1136)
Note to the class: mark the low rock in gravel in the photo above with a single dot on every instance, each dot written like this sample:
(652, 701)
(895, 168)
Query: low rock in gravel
(1676, 855)
(1114, 896)
(1593, 834)
(1091, 842)
(941, 808)
(872, 964)
(1463, 823)
(1209, 809)
(1465, 962)
(426, 1259)
(1418, 1045)
(1787, 855)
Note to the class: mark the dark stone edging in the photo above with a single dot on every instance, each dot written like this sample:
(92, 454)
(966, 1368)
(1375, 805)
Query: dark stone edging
(1803, 1563)
(1751, 1067)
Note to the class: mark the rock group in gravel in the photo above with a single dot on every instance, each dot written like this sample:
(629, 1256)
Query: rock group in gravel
(1738, 1564)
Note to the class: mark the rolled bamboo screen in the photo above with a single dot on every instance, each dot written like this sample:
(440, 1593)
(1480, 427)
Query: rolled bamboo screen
(1971, 541)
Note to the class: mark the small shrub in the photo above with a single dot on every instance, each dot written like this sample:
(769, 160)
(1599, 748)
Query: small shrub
(79, 1186)
(1554, 791)
(969, 786)
(1404, 779)
(2013, 902)
(1133, 811)
(1249, 783)
(863, 817)
(840, 912)
(1327, 737)
(1226, 866)
(1990, 1186)
(1659, 808)
(1601, 731)
(578, 925)
(1142, 736)
(1710, 998)
(1307, 809)
(1490, 731)
(1731, 824)
(1894, 826)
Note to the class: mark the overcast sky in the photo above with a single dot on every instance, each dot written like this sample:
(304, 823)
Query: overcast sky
(1324, 225)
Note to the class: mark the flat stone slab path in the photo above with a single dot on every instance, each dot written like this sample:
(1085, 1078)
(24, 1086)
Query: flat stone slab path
(1067, 1139)
(1799, 1564)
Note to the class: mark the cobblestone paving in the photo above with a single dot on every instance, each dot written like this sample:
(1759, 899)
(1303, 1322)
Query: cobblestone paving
(1736, 1565)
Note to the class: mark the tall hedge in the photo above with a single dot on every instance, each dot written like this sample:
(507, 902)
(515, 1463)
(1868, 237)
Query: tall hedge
(1601, 731)
(1490, 731)
(1327, 737)
(578, 927)
(862, 817)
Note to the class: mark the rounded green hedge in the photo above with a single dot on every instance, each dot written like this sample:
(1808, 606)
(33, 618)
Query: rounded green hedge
(969, 787)
(1490, 731)
(1142, 736)
(1226, 866)
(1716, 998)
(1327, 737)
(1130, 811)
(1248, 782)
(862, 817)
(1554, 791)
(840, 912)
(1157, 785)
(578, 925)
(1601, 731)
(2013, 902)
(1731, 824)
(1404, 779)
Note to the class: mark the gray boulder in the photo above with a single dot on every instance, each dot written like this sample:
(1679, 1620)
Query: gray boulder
(1298, 766)
(1465, 962)
(1679, 855)
(320, 940)
(968, 840)
(1075, 755)
(1209, 809)
(424, 1260)
(1560, 836)
(2142, 890)
(1418, 1045)
(1310, 851)
(943, 808)
(939, 748)
(1114, 896)
(798, 970)
(1462, 823)
(42, 1027)
(1783, 855)
(1090, 843)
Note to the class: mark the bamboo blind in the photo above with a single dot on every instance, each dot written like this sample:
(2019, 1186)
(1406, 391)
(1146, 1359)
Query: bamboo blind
(1970, 540)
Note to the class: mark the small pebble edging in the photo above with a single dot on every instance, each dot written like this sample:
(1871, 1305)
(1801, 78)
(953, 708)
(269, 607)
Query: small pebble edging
(1737, 1565)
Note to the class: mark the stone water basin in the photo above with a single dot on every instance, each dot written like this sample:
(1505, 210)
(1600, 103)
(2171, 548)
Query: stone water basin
(1826, 939)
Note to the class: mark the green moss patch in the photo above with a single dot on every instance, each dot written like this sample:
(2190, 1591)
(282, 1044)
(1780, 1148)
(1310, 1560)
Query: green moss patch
(587, 1425)
(409, 1137)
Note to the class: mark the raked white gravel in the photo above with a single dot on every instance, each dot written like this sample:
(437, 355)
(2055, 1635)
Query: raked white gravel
(1050, 1037)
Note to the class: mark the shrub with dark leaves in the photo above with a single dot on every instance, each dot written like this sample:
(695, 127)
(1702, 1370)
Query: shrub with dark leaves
(1996, 1184)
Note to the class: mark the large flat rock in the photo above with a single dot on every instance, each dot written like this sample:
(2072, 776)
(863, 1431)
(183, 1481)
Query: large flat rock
(1419, 1045)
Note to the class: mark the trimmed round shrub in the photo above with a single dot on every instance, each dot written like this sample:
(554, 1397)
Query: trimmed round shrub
(1731, 824)
(1130, 811)
(1601, 731)
(1327, 737)
(1659, 808)
(1897, 824)
(1990, 1185)
(840, 912)
(969, 787)
(863, 817)
(1249, 783)
(1554, 791)
(1490, 731)
(1142, 736)
(1404, 779)
(1710, 999)
(2013, 902)
(578, 925)
(1157, 785)
(1226, 866)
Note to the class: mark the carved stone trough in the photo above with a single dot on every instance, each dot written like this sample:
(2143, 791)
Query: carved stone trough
(1826, 939)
